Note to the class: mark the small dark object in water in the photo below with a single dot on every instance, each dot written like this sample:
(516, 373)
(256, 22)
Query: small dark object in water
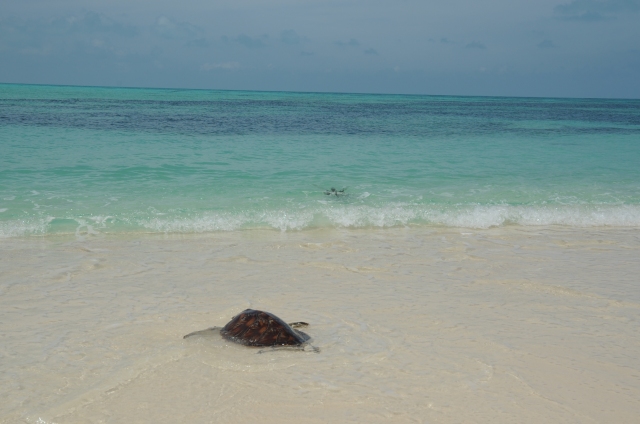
(261, 329)
(333, 192)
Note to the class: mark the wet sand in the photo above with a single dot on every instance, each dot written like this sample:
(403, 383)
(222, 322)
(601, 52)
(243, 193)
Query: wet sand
(505, 325)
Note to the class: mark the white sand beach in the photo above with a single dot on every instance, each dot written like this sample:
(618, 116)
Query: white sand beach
(513, 324)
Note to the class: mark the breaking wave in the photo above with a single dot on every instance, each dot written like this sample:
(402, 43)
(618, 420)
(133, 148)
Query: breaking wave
(337, 216)
(403, 215)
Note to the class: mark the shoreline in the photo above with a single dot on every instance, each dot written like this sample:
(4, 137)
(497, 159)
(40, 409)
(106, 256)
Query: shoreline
(443, 325)
(325, 216)
(319, 231)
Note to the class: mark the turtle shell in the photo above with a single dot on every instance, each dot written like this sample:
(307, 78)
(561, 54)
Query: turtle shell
(258, 328)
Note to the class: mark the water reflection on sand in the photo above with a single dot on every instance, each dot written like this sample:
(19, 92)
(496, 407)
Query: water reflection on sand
(500, 325)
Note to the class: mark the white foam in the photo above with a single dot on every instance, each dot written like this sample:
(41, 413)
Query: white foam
(101, 220)
(393, 215)
(573, 216)
(334, 215)
(20, 228)
(208, 222)
(279, 219)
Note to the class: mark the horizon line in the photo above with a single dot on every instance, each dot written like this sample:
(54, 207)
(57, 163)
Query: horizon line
(315, 92)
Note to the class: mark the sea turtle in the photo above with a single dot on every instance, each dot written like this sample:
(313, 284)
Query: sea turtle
(261, 329)
(333, 192)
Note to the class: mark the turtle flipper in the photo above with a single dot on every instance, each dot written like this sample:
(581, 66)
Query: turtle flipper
(206, 332)
(298, 324)
(311, 348)
(304, 348)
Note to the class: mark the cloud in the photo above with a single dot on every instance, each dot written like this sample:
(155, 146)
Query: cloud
(596, 10)
(248, 42)
(443, 40)
(351, 43)
(475, 45)
(174, 30)
(92, 23)
(371, 51)
(602, 6)
(198, 42)
(289, 36)
(86, 24)
(587, 17)
(88, 31)
(224, 65)
(546, 44)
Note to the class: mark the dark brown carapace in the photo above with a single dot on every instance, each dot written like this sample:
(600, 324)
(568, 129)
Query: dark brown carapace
(258, 328)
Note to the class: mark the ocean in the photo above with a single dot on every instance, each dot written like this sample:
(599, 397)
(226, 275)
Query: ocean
(119, 160)
(480, 266)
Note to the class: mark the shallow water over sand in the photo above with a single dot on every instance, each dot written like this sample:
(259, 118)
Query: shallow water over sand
(508, 325)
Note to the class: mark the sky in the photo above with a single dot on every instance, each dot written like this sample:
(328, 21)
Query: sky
(542, 48)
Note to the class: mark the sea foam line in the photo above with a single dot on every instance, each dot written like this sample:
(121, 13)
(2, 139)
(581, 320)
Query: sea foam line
(21, 228)
(350, 216)
(343, 216)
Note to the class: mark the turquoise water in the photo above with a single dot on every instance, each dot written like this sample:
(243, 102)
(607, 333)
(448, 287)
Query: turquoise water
(87, 159)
